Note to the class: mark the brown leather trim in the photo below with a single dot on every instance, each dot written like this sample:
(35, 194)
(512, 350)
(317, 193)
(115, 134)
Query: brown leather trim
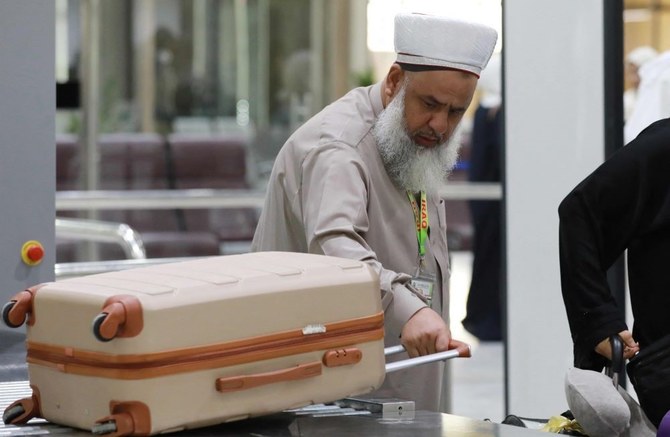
(130, 367)
(37, 400)
(33, 290)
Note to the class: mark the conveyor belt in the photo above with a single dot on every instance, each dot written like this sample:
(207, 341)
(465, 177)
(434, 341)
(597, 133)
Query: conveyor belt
(384, 418)
(315, 421)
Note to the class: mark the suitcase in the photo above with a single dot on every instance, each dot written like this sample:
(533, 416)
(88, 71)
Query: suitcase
(195, 343)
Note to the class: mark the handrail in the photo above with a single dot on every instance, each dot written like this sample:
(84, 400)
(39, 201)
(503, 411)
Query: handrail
(159, 199)
(130, 240)
(72, 269)
(100, 231)
(225, 198)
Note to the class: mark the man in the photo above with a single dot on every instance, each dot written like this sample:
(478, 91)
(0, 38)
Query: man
(634, 61)
(652, 101)
(359, 180)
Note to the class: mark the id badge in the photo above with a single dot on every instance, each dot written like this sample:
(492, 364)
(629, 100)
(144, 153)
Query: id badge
(425, 283)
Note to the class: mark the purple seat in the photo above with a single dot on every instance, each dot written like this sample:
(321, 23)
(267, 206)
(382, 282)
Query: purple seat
(67, 162)
(134, 161)
(216, 162)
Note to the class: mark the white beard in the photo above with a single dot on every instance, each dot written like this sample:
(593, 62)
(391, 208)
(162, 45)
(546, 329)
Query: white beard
(411, 166)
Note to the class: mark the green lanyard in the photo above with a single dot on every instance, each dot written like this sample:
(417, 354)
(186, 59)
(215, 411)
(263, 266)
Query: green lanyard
(421, 220)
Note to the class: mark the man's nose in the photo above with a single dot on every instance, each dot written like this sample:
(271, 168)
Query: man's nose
(439, 123)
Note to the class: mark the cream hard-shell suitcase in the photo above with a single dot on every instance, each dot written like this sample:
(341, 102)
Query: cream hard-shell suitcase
(195, 343)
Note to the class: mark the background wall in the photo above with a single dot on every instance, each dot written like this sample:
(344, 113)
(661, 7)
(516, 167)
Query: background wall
(554, 138)
(27, 167)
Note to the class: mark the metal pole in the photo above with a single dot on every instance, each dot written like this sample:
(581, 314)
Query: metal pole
(242, 49)
(144, 29)
(317, 47)
(90, 88)
(90, 84)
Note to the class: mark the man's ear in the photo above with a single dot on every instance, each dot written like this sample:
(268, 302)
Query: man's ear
(393, 82)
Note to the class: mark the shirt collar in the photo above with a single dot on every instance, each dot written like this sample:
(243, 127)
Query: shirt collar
(376, 99)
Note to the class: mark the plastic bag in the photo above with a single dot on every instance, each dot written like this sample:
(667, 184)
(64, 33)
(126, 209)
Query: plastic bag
(563, 425)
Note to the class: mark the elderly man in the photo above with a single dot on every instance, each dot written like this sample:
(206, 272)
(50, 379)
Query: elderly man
(360, 180)
(653, 96)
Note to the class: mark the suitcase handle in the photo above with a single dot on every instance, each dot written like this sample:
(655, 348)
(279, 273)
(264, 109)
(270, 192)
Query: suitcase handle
(617, 364)
(244, 382)
(461, 350)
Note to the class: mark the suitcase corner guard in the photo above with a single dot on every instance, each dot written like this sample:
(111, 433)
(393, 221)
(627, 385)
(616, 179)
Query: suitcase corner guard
(121, 316)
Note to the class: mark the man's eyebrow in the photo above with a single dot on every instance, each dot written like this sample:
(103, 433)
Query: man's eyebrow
(433, 100)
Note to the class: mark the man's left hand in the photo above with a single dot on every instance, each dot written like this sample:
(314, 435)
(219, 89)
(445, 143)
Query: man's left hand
(425, 333)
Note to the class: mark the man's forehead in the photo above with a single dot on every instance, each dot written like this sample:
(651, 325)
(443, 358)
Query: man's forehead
(441, 80)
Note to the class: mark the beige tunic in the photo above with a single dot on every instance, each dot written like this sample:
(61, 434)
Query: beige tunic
(329, 194)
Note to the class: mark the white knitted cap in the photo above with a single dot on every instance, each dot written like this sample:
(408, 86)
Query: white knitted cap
(433, 41)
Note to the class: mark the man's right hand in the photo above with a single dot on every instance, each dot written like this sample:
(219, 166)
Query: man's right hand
(425, 333)
(630, 347)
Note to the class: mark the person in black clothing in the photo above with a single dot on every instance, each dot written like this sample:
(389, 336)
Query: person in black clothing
(484, 308)
(623, 205)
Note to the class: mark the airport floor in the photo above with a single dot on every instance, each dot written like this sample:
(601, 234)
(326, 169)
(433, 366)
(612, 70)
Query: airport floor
(477, 387)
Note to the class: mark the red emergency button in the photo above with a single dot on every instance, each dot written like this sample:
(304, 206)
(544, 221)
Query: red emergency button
(32, 252)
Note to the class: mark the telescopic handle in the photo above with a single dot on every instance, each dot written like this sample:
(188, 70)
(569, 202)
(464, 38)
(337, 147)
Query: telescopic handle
(462, 350)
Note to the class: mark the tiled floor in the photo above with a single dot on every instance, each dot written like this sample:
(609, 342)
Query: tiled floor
(477, 382)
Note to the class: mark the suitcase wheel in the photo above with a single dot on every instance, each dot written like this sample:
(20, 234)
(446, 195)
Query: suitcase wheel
(97, 327)
(5, 315)
(15, 312)
(104, 428)
(121, 316)
(19, 308)
(13, 413)
(126, 418)
(22, 410)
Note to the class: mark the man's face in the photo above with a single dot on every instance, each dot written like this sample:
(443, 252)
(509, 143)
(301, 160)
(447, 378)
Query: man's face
(435, 102)
(632, 72)
(420, 156)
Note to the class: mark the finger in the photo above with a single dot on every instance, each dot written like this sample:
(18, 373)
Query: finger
(411, 350)
(629, 353)
(430, 345)
(627, 338)
(462, 348)
(423, 348)
(443, 342)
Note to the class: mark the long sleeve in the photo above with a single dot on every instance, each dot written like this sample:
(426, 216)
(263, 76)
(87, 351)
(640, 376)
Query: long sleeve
(335, 186)
(617, 203)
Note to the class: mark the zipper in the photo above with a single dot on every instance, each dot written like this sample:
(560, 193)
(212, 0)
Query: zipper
(141, 366)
